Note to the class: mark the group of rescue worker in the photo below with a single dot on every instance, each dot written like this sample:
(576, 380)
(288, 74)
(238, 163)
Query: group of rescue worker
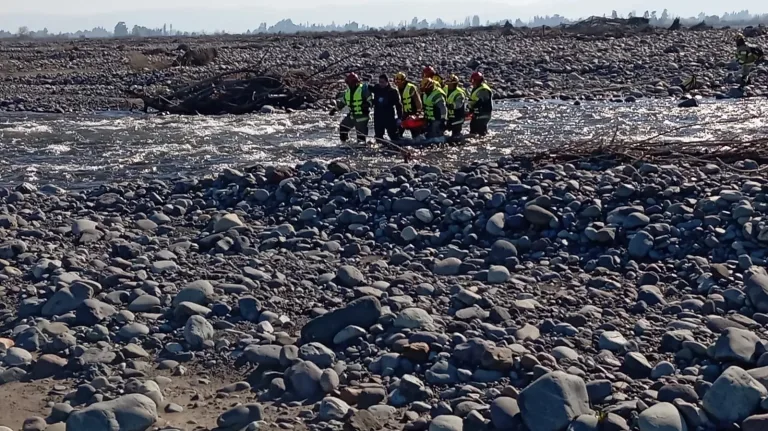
(440, 105)
(430, 109)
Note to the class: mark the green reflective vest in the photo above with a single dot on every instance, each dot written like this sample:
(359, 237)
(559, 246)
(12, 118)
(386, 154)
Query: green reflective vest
(409, 92)
(356, 102)
(452, 107)
(746, 54)
(429, 103)
(481, 107)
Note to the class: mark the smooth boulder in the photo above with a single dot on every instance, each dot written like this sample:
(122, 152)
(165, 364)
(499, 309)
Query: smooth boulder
(552, 401)
(733, 397)
(662, 417)
(505, 414)
(446, 423)
(134, 412)
(197, 331)
(240, 416)
(363, 312)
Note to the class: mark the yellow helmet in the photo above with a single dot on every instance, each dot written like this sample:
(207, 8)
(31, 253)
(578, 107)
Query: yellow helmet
(427, 84)
(400, 76)
(452, 79)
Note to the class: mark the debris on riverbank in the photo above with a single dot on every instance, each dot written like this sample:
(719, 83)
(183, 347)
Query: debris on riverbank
(659, 149)
(238, 92)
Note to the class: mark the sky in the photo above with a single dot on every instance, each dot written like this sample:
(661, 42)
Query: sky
(240, 15)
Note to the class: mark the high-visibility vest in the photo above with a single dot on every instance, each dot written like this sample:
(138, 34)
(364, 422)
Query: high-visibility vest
(429, 103)
(481, 107)
(453, 110)
(357, 104)
(409, 92)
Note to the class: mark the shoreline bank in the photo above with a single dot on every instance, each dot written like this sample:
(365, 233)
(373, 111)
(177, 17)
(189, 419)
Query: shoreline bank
(84, 75)
(413, 297)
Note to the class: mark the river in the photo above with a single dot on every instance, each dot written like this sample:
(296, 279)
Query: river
(76, 151)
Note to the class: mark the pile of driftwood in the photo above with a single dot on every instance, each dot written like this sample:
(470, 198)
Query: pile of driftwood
(251, 89)
(613, 26)
(236, 92)
(727, 151)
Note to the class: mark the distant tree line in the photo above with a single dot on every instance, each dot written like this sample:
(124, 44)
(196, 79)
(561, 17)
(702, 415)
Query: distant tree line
(287, 26)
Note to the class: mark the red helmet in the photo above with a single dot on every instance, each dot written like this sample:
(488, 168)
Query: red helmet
(352, 79)
(476, 77)
(429, 72)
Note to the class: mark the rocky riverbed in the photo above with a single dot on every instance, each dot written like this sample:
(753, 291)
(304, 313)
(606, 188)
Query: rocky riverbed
(498, 296)
(85, 75)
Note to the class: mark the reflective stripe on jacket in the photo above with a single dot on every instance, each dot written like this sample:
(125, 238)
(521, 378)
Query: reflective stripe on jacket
(357, 103)
(430, 101)
(456, 100)
(481, 108)
(409, 92)
(746, 54)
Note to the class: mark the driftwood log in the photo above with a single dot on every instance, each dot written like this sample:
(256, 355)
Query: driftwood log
(248, 90)
(236, 92)
(727, 151)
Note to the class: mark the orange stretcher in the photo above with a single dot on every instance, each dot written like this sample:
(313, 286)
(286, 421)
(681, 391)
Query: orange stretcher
(417, 122)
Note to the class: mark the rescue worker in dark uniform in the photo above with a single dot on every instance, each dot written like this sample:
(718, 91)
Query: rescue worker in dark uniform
(435, 111)
(456, 100)
(387, 109)
(411, 98)
(480, 105)
(357, 98)
(747, 55)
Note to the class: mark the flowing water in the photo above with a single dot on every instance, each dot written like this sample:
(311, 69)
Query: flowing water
(82, 150)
